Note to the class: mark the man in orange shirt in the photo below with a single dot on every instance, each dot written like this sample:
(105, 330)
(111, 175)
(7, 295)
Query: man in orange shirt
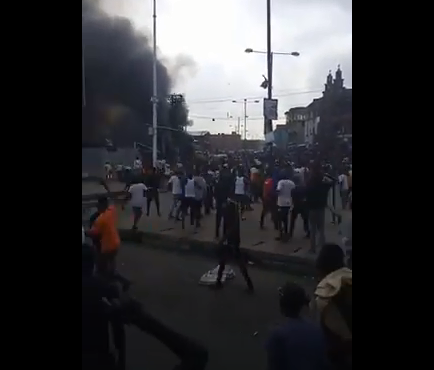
(106, 230)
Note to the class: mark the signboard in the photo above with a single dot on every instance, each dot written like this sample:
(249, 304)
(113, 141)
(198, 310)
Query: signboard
(270, 109)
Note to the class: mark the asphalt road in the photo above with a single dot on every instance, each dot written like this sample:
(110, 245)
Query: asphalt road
(224, 321)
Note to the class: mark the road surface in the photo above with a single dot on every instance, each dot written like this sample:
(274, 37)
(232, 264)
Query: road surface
(224, 321)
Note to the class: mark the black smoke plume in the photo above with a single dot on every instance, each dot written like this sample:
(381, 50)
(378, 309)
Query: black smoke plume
(118, 84)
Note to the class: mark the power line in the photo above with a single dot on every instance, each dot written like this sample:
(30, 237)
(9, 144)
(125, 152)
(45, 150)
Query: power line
(228, 119)
(224, 100)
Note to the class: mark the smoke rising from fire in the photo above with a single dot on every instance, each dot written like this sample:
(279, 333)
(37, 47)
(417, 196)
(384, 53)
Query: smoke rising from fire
(118, 80)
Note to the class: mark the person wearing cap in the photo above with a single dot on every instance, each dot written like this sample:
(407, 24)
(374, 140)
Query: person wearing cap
(298, 343)
(332, 305)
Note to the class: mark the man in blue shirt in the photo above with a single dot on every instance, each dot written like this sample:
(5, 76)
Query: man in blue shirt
(298, 344)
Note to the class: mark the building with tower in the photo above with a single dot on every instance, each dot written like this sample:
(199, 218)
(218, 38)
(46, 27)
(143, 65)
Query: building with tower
(326, 118)
(336, 108)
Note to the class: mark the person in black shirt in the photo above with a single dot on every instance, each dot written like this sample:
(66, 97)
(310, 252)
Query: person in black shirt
(153, 183)
(230, 244)
(317, 191)
(299, 208)
(222, 191)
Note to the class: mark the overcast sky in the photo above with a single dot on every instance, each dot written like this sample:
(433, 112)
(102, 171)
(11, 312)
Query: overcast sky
(209, 37)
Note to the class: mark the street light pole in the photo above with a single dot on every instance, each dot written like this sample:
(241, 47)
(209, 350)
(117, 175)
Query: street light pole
(268, 124)
(83, 73)
(244, 101)
(154, 87)
(245, 119)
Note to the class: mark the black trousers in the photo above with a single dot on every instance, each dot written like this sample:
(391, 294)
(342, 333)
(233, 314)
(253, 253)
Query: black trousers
(302, 212)
(192, 205)
(232, 251)
(208, 200)
(218, 217)
(269, 206)
(283, 219)
(152, 195)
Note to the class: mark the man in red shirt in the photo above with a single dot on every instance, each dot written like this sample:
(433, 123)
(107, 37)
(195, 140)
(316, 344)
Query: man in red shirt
(269, 202)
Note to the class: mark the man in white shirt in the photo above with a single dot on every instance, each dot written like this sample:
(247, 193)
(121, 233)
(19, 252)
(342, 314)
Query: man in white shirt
(108, 170)
(189, 201)
(137, 165)
(175, 184)
(284, 204)
(343, 188)
(137, 193)
(240, 191)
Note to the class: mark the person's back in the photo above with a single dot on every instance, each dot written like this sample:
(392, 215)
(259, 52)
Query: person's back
(199, 187)
(240, 184)
(301, 346)
(298, 195)
(138, 194)
(268, 189)
(189, 191)
(105, 226)
(317, 192)
(298, 343)
(231, 223)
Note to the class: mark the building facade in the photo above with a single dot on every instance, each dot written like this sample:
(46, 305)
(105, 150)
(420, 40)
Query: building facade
(295, 123)
(225, 142)
(336, 108)
(281, 136)
(326, 118)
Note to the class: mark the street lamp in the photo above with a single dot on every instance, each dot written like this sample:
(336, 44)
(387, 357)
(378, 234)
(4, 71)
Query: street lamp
(268, 124)
(293, 53)
(244, 102)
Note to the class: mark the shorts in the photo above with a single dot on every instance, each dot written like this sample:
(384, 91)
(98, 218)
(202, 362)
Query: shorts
(137, 211)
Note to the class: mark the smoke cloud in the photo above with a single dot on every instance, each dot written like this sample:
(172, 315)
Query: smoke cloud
(118, 80)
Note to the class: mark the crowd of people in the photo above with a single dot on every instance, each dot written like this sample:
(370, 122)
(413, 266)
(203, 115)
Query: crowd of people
(321, 342)
(285, 191)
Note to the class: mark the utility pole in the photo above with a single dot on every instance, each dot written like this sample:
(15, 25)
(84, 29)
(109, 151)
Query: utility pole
(245, 119)
(154, 88)
(239, 126)
(269, 123)
(83, 76)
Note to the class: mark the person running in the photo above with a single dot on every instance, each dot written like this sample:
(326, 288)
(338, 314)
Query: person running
(269, 203)
(317, 190)
(298, 343)
(255, 184)
(189, 201)
(137, 165)
(222, 191)
(105, 228)
(200, 189)
(230, 244)
(175, 184)
(240, 191)
(299, 208)
(343, 180)
(137, 194)
(108, 171)
(284, 203)
(153, 183)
